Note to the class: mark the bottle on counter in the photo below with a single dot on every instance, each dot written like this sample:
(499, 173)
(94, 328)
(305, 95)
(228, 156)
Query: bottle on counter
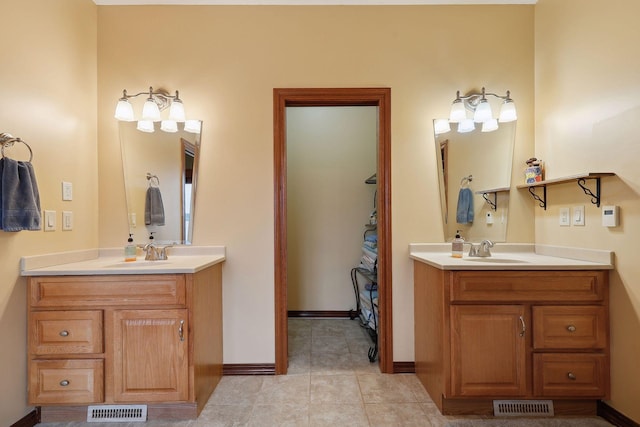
(457, 246)
(130, 249)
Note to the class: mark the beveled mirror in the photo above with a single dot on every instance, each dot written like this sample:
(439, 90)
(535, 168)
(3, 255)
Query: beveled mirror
(160, 176)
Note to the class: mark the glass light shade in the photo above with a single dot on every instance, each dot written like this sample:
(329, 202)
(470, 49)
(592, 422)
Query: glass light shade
(192, 126)
(169, 126)
(483, 112)
(124, 111)
(490, 125)
(508, 112)
(145, 126)
(466, 125)
(441, 126)
(458, 112)
(176, 112)
(150, 111)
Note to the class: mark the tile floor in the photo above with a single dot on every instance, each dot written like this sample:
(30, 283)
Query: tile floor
(330, 383)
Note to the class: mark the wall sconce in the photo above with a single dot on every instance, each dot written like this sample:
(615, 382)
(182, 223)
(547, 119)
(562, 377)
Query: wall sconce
(478, 104)
(151, 112)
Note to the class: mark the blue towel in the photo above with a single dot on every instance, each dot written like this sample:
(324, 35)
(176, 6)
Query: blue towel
(153, 207)
(464, 212)
(19, 196)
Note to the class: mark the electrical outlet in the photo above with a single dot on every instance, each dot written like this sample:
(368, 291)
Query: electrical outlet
(67, 220)
(564, 218)
(578, 215)
(49, 220)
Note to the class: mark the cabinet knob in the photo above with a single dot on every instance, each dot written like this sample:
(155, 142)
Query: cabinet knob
(571, 328)
(64, 383)
(571, 376)
(64, 333)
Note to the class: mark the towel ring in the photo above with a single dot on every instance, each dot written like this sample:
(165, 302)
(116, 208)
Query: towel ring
(466, 180)
(7, 140)
(153, 179)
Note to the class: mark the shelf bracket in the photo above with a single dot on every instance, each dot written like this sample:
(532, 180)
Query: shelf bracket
(542, 200)
(493, 203)
(595, 198)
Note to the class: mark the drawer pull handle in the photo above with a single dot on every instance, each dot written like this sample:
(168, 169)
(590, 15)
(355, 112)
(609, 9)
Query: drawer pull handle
(571, 328)
(571, 376)
(64, 383)
(524, 326)
(181, 330)
(64, 333)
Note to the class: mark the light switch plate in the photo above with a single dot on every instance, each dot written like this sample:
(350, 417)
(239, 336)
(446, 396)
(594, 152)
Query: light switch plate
(564, 218)
(49, 220)
(67, 191)
(578, 215)
(67, 220)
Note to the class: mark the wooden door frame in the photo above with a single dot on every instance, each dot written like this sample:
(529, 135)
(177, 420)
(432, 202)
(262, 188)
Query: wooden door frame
(320, 97)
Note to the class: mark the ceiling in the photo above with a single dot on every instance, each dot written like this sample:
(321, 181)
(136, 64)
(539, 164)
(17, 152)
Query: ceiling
(307, 2)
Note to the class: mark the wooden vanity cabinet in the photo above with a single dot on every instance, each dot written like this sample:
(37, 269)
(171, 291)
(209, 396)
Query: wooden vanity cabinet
(124, 339)
(485, 335)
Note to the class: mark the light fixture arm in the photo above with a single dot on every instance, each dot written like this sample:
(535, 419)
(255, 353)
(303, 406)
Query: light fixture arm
(160, 97)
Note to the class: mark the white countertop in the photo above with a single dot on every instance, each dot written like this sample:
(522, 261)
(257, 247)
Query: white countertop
(509, 256)
(182, 259)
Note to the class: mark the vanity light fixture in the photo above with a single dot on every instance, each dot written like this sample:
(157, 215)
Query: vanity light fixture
(157, 101)
(478, 103)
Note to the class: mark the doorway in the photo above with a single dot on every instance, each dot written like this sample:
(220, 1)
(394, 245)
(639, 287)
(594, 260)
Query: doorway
(381, 98)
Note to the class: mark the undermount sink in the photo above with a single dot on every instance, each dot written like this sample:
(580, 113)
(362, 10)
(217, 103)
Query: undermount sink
(496, 260)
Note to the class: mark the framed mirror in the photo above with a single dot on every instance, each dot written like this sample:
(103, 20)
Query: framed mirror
(160, 176)
(474, 172)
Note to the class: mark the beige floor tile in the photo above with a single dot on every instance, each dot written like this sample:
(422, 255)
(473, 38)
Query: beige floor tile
(224, 416)
(329, 327)
(396, 414)
(285, 415)
(335, 389)
(237, 390)
(331, 364)
(385, 388)
(329, 344)
(299, 344)
(335, 415)
(299, 363)
(284, 389)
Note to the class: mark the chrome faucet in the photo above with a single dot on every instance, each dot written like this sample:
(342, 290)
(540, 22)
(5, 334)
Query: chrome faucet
(480, 250)
(155, 253)
(485, 245)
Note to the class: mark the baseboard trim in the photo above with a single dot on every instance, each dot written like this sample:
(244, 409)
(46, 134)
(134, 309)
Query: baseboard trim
(29, 420)
(249, 369)
(614, 417)
(320, 313)
(404, 367)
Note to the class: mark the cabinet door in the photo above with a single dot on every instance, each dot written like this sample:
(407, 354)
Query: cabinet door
(488, 350)
(150, 360)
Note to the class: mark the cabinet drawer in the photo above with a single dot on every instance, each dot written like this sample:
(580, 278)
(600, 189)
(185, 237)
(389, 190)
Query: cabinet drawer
(94, 291)
(65, 332)
(66, 381)
(570, 327)
(523, 286)
(566, 374)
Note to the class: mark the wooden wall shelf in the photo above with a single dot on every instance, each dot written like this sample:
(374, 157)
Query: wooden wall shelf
(580, 179)
(492, 191)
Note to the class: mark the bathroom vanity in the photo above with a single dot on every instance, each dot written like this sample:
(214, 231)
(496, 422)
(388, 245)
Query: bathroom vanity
(105, 332)
(518, 326)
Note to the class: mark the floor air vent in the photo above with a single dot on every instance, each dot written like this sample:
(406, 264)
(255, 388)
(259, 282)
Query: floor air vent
(517, 408)
(116, 413)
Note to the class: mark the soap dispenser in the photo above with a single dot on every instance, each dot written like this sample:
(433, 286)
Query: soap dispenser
(130, 249)
(457, 246)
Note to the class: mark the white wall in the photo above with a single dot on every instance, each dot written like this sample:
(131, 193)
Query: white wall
(330, 153)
